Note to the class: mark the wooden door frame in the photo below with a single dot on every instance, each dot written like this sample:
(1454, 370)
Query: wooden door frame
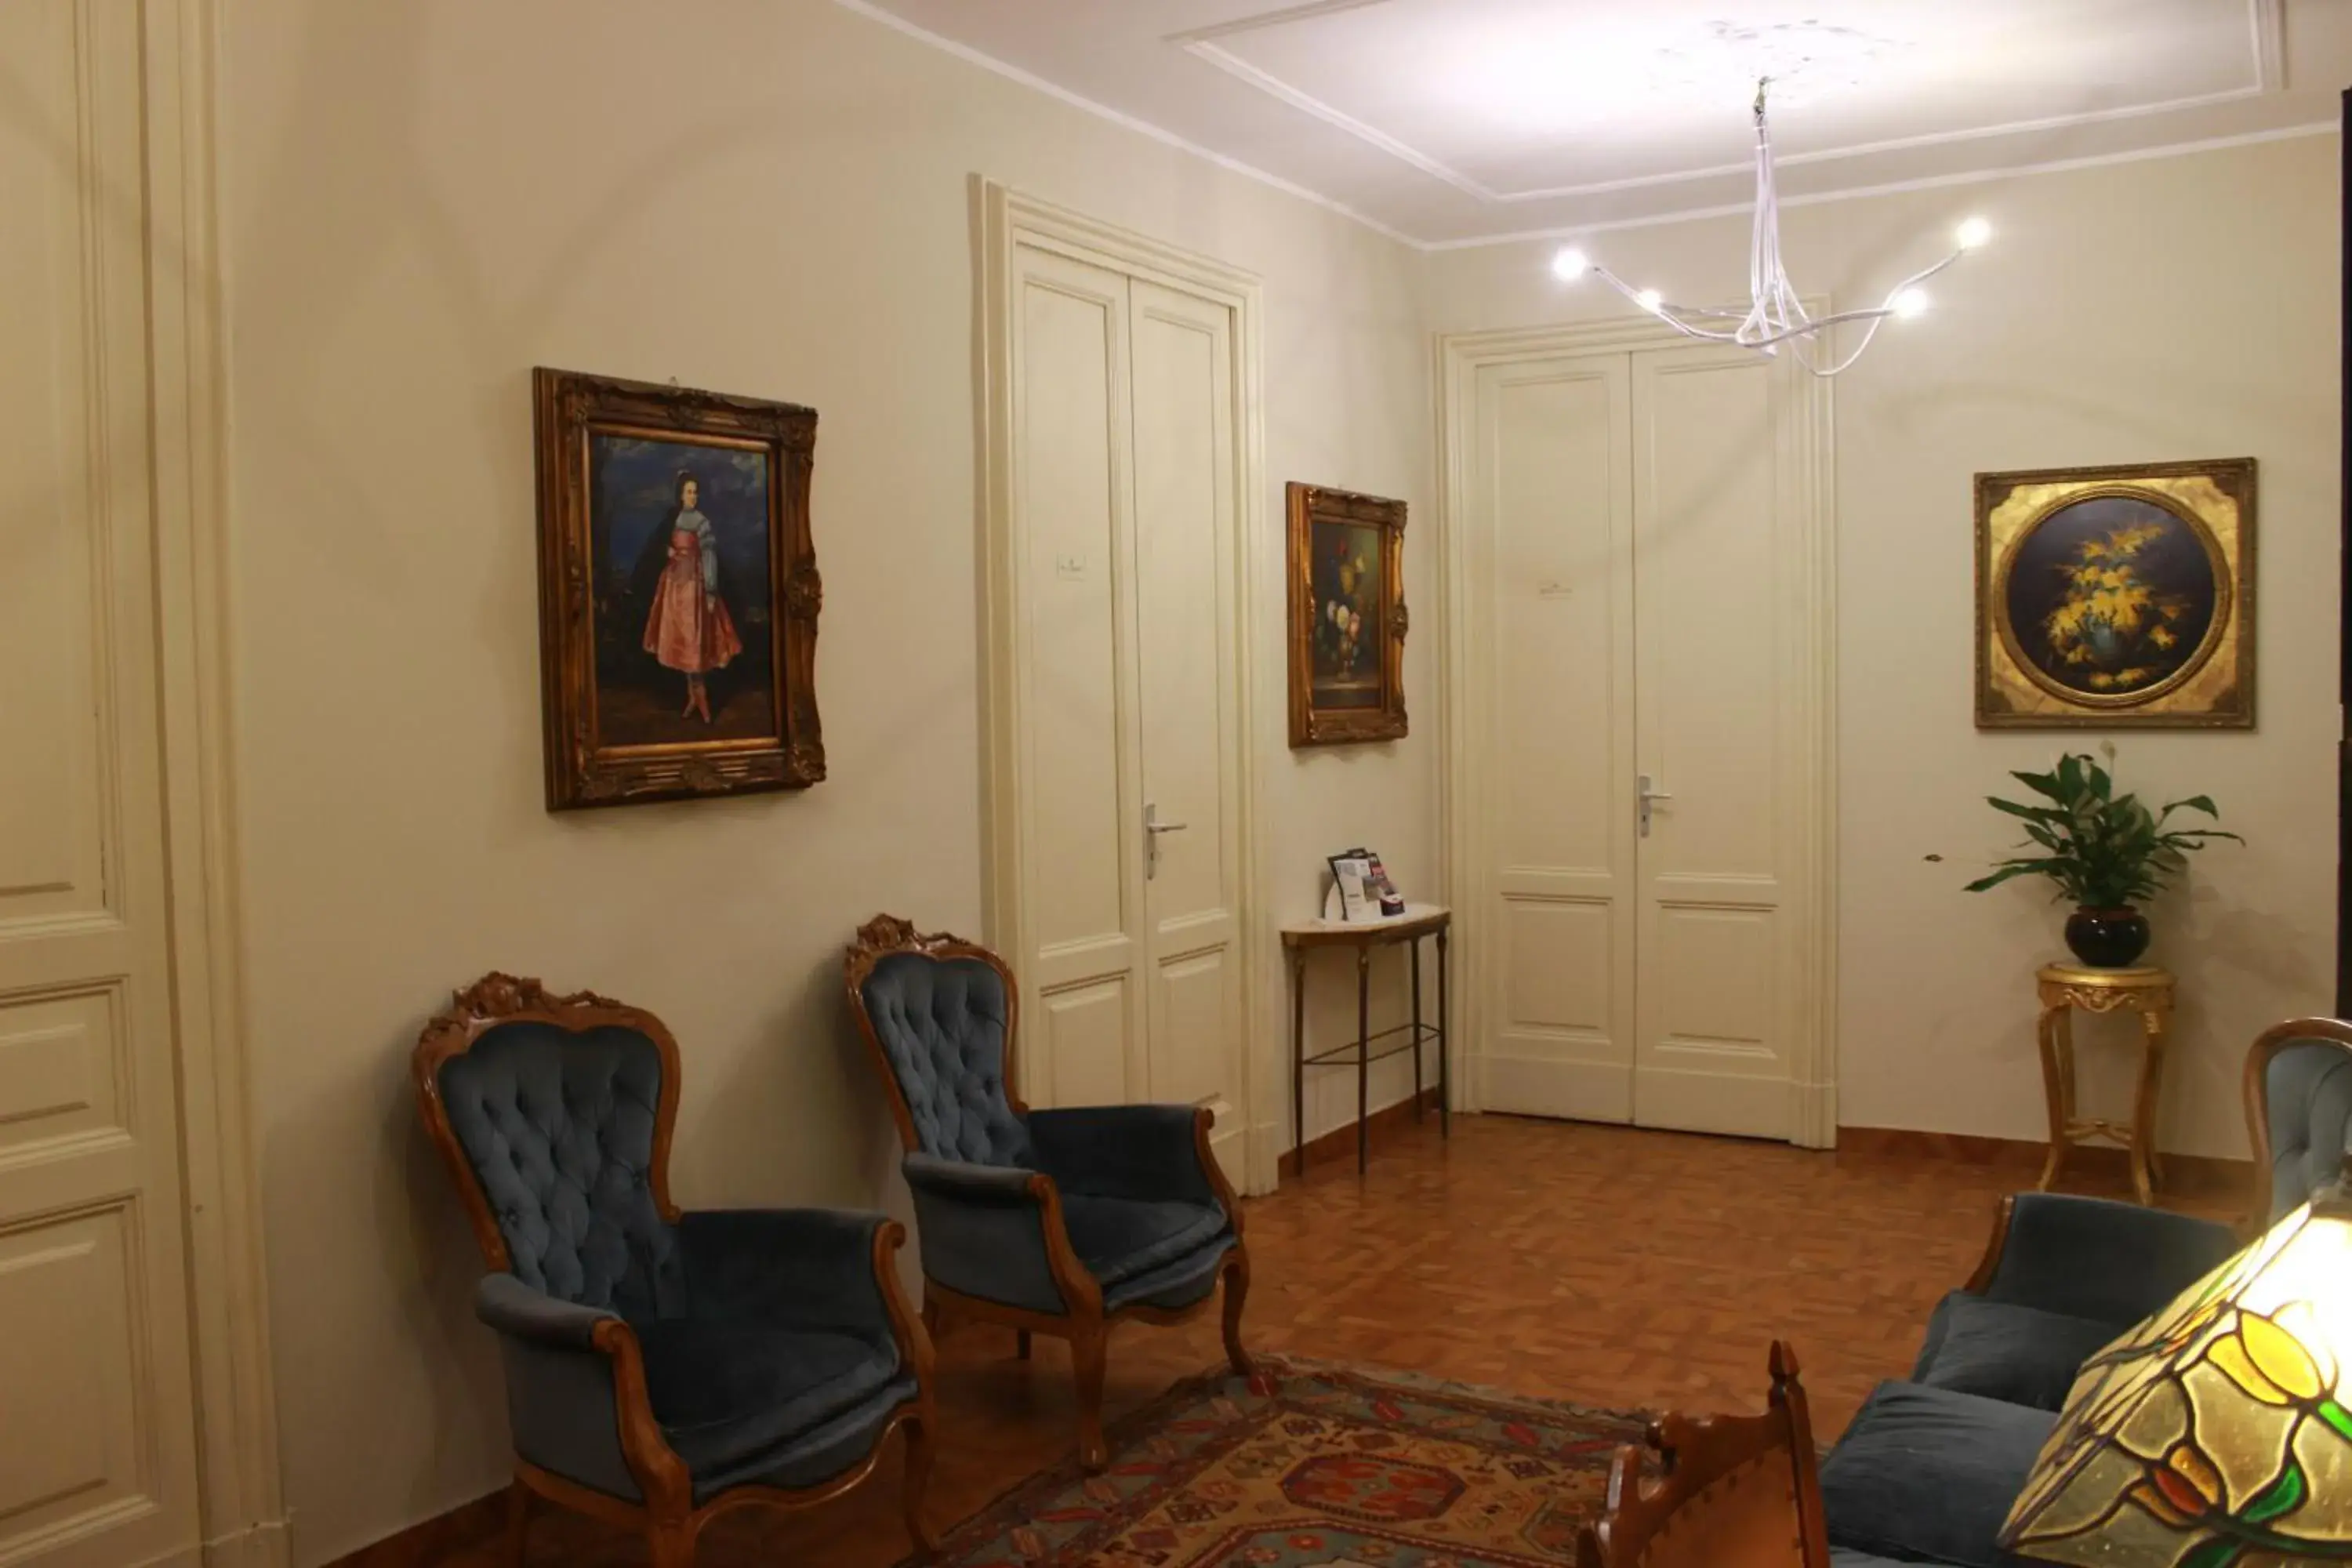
(241, 1503)
(1810, 487)
(1003, 220)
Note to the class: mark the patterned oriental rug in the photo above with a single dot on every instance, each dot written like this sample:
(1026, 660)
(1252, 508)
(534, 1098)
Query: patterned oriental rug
(1311, 1464)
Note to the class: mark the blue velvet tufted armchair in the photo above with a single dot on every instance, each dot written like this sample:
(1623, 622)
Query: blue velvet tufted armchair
(661, 1367)
(1063, 1222)
(2298, 1112)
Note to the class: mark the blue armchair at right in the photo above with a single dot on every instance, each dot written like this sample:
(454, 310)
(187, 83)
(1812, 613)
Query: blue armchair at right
(1062, 1221)
(1928, 1469)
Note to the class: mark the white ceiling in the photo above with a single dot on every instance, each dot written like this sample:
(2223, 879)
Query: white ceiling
(1457, 121)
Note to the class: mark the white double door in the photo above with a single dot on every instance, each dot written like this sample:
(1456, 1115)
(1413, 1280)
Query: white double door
(1124, 512)
(1646, 606)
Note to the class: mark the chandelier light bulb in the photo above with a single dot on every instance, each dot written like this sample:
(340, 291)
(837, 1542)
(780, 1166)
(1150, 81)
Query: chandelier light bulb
(1650, 300)
(1570, 264)
(1909, 303)
(1972, 233)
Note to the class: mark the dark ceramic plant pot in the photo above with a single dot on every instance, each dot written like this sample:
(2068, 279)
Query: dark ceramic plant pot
(2107, 938)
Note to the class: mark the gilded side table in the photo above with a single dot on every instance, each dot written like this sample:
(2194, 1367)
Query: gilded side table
(2145, 991)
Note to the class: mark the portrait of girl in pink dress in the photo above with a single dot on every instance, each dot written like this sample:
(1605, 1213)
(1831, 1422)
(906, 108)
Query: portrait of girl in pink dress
(688, 629)
(684, 617)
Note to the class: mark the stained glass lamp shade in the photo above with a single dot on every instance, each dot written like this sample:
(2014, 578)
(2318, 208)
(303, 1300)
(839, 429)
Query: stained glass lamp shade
(2213, 1435)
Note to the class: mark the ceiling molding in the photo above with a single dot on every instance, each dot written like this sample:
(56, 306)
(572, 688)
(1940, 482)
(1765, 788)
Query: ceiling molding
(1011, 72)
(1306, 103)
(1894, 187)
(2266, 46)
(1269, 19)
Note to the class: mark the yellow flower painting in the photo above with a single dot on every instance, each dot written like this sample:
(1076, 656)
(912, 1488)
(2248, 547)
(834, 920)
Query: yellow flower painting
(2111, 595)
(2113, 625)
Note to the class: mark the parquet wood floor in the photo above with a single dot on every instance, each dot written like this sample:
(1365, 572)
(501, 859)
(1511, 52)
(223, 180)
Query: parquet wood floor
(1618, 1268)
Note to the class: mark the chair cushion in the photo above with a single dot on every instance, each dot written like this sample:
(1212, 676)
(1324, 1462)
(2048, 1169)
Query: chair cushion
(2002, 1350)
(942, 1025)
(558, 1129)
(820, 1455)
(1120, 1238)
(1928, 1474)
(724, 1392)
(2307, 1096)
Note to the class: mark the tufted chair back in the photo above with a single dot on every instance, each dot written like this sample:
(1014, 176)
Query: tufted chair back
(554, 1115)
(2300, 1093)
(943, 1022)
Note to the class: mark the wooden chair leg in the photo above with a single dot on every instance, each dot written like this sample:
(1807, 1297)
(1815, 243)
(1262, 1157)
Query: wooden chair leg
(1021, 1343)
(1089, 1353)
(672, 1542)
(931, 1318)
(920, 1451)
(1236, 1293)
(517, 1523)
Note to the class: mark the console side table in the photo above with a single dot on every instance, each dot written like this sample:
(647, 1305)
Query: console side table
(2147, 991)
(1417, 921)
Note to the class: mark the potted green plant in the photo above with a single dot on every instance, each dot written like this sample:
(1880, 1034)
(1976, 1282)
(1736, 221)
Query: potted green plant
(2107, 853)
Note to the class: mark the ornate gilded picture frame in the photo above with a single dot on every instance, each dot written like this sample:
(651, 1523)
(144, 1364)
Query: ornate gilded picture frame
(1347, 617)
(677, 592)
(2116, 598)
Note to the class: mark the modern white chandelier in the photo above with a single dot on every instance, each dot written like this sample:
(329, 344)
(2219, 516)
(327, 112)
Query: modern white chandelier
(1775, 315)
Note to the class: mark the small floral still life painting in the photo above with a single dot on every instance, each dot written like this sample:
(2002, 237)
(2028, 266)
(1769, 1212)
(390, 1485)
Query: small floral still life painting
(2116, 598)
(1346, 617)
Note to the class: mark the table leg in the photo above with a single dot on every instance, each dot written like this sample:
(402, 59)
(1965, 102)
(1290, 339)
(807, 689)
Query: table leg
(1364, 1059)
(1298, 1059)
(1415, 960)
(1445, 1047)
(2151, 1084)
(2057, 1087)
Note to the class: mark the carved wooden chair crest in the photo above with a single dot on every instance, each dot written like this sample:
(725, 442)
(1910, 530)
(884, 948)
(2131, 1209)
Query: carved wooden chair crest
(1733, 1491)
(661, 1366)
(1063, 1222)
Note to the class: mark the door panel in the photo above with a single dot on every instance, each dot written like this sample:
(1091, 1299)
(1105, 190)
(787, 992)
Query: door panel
(97, 1433)
(1081, 1046)
(1712, 1048)
(1185, 543)
(1071, 376)
(1550, 476)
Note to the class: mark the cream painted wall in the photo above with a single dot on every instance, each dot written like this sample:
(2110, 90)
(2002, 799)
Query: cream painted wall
(422, 201)
(2177, 307)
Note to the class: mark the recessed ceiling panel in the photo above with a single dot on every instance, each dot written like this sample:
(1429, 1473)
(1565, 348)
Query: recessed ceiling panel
(1453, 121)
(1514, 98)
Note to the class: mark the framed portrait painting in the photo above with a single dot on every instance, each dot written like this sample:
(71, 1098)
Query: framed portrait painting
(2116, 598)
(1346, 617)
(678, 592)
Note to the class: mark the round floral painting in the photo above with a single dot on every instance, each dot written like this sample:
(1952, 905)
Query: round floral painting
(2112, 599)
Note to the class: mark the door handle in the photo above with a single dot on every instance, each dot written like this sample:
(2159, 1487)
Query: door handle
(1648, 795)
(1152, 828)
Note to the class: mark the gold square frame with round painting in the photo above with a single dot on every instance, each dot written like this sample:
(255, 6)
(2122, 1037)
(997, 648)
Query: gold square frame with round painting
(2117, 597)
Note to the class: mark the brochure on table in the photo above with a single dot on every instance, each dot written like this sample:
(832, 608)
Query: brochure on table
(1360, 890)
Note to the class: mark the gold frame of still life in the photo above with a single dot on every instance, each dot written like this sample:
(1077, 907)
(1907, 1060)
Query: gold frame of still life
(2118, 597)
